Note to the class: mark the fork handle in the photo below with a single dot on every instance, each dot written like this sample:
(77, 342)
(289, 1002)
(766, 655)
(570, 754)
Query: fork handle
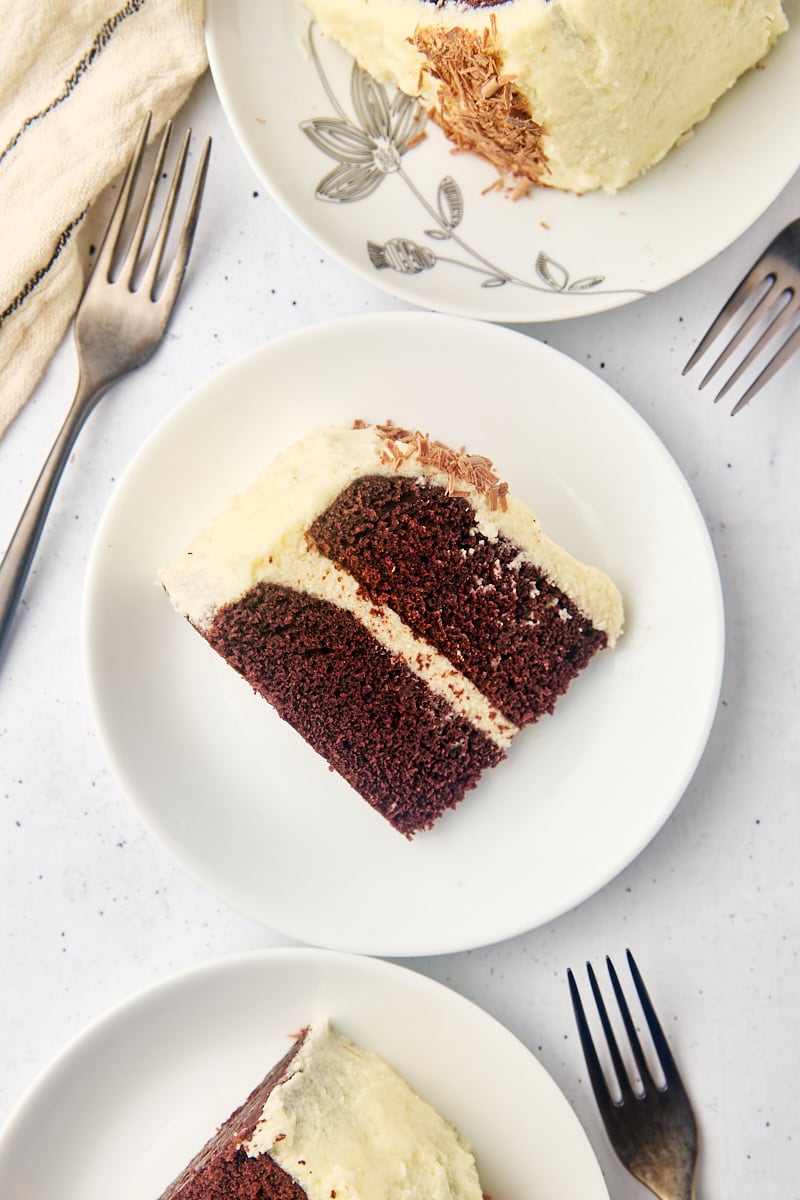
(20, 551)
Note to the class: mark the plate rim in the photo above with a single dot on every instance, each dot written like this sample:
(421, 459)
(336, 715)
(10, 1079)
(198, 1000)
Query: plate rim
(403, 947)
(401, 289)
(177, 986)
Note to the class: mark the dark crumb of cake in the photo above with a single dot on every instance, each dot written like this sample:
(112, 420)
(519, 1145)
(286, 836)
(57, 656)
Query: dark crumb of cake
(237, 1175)
(496, 617)
(456, 638)
(376, 722)
(223, 1169)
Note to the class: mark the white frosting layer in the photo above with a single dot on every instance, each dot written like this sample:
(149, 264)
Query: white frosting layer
(614, 83)
(344, 1123)
(260, 536)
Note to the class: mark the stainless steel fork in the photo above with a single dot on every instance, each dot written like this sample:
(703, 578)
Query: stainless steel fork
(652, 1130)
(777, 274)
(119, 323)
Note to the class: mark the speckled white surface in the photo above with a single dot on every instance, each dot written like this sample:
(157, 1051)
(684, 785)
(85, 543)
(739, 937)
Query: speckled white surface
(92, 910)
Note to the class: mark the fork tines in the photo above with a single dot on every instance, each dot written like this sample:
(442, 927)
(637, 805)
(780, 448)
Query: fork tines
(666, 1061)
(111, 242)
(776, 275)
(651, 1128)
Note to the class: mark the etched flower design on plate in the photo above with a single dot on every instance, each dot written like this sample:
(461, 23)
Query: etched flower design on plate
(371, 148)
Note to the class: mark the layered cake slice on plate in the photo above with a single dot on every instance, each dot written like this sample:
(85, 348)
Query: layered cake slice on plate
(571, 94)
(398, 607)
(331, 1122)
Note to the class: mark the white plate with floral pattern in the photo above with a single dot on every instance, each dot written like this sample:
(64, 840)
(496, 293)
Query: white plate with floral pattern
(418, 221)
(123, 1109)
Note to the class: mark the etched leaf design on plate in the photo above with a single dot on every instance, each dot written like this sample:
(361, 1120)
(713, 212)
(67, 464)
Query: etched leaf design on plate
(583, 285)
(338, 140)
(370, 103)
(551, 272)
(347, 183)
(450, 202)
(371, 149)
(408, 118)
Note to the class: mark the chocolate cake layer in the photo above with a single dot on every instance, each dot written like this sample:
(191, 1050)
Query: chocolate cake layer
(332, 1119)
(398, 606)
(223, 1170)
(396, 742)
(494, 615)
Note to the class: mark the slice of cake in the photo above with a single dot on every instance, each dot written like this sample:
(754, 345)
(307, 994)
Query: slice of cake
(331, 1122)
(572, 94)
(397, 607)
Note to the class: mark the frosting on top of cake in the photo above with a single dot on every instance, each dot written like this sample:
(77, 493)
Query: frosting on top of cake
(343, 1123)
(578, 94)
(261, 532)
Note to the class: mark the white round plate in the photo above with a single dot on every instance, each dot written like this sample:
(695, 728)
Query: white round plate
(237, 795)
(138, 1094)
(550, 256)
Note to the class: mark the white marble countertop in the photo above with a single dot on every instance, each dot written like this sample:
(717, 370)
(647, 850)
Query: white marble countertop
(93, 910)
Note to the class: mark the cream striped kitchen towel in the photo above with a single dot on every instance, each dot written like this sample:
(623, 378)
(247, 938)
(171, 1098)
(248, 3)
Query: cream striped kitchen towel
(76, 79)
